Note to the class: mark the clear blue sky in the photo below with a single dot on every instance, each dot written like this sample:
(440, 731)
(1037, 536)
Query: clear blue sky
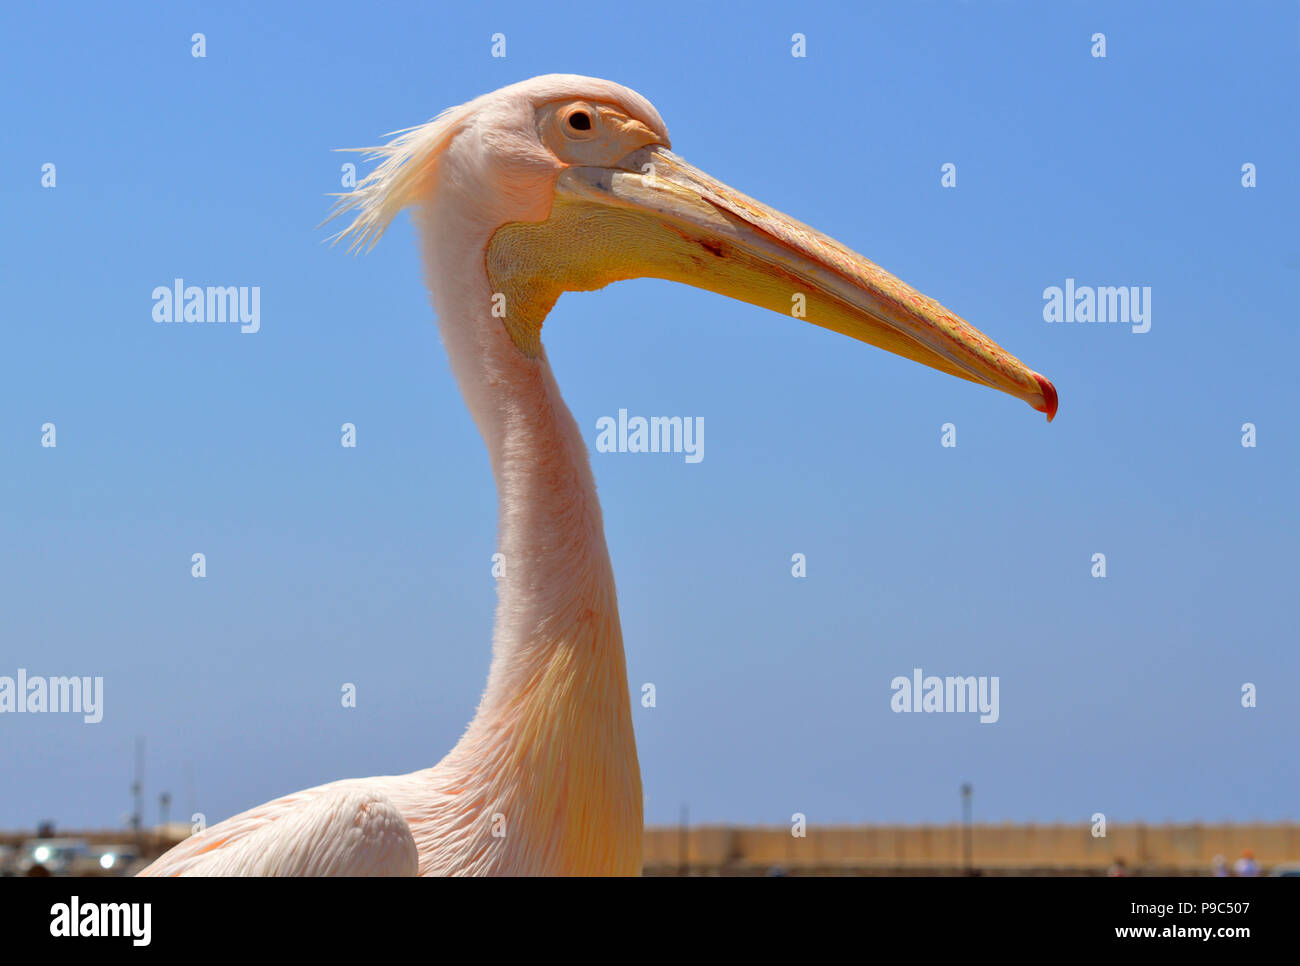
(328, 565)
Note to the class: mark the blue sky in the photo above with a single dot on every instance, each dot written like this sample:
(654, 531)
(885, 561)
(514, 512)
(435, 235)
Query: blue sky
(372, 565)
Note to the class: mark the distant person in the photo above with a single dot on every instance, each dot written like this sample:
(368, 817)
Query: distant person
(1220, 867)
(1118, 869)
(1246, 865)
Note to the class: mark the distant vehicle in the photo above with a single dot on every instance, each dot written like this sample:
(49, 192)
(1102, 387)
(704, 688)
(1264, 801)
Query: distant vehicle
(1289, 869)
(118, 859)
(7, 856)
(50, 856)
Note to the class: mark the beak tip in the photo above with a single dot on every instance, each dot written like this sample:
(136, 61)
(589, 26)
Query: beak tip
(1049, 397)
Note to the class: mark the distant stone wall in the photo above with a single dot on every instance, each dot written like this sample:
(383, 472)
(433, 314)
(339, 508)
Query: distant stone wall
(938, 849)
(912, 849)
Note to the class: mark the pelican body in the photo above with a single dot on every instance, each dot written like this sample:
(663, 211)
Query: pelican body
(560, 183)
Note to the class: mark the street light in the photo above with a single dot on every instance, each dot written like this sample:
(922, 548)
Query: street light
(967, 793)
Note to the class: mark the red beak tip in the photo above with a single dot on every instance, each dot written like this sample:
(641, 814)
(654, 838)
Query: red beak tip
(1049, 396)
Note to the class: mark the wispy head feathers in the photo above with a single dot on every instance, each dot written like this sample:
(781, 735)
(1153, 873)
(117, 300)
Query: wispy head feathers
(403, 176)
(410, 160)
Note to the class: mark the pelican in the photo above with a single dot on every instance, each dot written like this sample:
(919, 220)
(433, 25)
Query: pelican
(559, 184)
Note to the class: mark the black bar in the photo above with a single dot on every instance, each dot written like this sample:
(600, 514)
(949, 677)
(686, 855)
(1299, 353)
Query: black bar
(992, 915)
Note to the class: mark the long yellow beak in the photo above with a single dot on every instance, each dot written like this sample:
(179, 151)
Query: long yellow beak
(657, 216)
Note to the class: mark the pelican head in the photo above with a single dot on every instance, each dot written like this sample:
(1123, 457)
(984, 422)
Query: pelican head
(569, 183)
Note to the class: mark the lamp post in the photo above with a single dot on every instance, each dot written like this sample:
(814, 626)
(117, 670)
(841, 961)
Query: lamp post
(967, 793)
(164, 804)
(137, 793)
(683, 860)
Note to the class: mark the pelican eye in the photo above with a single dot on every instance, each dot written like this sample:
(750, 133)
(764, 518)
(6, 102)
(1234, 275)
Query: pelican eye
(580, 121)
